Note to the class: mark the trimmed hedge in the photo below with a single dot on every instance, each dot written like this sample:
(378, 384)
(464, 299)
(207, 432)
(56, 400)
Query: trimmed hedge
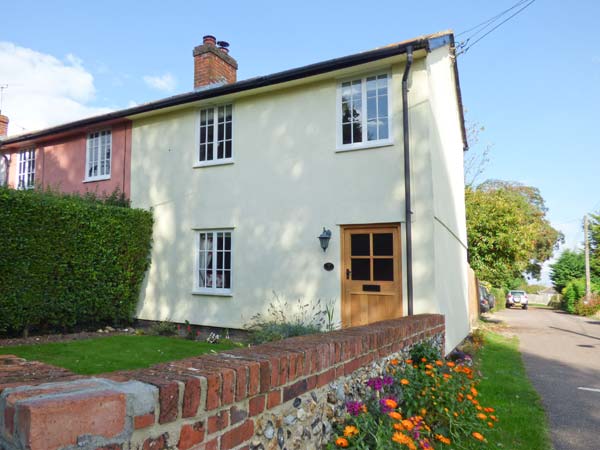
(69, 262)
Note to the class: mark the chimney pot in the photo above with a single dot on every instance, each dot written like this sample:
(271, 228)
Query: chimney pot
(209, 39)
(3, 125)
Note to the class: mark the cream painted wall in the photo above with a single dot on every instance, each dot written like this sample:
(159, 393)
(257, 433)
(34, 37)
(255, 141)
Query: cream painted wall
(286, 184)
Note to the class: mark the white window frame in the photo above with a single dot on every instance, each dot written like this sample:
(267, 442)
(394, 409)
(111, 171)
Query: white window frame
(26, 168)
(88, 155)
(226, 292)
(340, 146)
(215, 161)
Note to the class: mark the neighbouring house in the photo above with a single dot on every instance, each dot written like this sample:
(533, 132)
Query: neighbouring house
(89, 155)
(245, 176)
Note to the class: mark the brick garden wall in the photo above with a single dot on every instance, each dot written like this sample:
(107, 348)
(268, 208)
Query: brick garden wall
(287, 393)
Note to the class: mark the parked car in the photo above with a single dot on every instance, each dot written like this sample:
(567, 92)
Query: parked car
(517, 298)
(486, 300)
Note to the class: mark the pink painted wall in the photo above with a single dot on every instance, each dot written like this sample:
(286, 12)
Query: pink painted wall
(60, 162)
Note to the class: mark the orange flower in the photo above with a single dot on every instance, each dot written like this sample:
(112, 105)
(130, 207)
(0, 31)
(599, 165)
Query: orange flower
(350, 431)
(394, 362)
(408, 424)
(478, 436)
(447, 376)
(455, 414)
(494, 418)
(477, 406)
(423, 411)
(450, 364)
(428, 372)
(402, 438)
(409, 361)
(341, 442)
(404, 381)
(474, 392)
(363, 408)
(443, 439)
(439, 363)
(469, 397)
(429, 366)
(423, 359)
(390, 403)
(395, 415)
(481, 416)
(398, 426)
(489, 410)
(491, 424)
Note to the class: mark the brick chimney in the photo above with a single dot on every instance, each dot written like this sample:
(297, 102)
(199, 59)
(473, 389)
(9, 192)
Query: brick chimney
(212, 63)
(3, 125)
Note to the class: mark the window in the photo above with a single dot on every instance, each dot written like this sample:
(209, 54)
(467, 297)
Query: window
(99, 146)
(215, 135)
(213, 274)
(26, 170)
(364, 112)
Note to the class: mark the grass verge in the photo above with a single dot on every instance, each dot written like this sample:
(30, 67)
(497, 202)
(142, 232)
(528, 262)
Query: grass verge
(505, 386)
(108, 354)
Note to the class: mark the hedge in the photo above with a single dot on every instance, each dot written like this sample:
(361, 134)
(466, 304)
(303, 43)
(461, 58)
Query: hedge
(69, 262)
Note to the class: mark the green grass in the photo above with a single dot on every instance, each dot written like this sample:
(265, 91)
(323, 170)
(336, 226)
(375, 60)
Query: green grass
(108, 354)
(505, 386)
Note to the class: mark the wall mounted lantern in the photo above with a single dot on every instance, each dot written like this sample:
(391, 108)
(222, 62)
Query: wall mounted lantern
(324, 238)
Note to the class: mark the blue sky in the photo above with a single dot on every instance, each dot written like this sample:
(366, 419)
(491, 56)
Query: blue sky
(534, 84)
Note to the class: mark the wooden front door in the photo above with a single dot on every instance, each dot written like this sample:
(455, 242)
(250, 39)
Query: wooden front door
(371, 274)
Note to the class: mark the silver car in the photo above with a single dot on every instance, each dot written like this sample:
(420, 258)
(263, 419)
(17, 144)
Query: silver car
(517, 298)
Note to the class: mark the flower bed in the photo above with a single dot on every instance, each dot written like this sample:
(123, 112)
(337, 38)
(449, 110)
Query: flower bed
(419, 403)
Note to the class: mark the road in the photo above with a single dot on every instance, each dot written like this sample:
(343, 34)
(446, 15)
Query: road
(562, 358)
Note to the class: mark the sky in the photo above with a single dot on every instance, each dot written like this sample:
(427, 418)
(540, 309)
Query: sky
(533, 84)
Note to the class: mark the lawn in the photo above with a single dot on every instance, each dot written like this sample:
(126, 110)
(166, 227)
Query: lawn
(505, 385)
(108, 354)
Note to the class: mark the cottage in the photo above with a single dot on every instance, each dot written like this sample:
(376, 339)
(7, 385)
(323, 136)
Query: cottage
(340, 181)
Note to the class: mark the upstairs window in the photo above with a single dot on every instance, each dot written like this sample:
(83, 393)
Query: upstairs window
(213, 264)
(98, 155)
(364, 112)
(216, 141)
(26, 169)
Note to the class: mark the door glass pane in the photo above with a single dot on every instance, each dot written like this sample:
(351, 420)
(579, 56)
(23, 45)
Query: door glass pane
(383, 244)
(361, 269)
(360, 245)
(383, 269)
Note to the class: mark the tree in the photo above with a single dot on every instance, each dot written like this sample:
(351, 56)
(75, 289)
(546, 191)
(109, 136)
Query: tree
(508, 233)
(478, 157)
(569, 266)
(594, 225)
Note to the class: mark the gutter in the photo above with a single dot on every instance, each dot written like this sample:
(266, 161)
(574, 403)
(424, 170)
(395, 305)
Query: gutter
(407, 193)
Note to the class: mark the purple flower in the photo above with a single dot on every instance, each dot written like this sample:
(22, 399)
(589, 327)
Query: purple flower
(375, 383)
(387, 380)
(354, 408)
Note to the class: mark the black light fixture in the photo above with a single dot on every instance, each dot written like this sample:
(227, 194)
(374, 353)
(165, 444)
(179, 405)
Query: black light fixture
(324, 238)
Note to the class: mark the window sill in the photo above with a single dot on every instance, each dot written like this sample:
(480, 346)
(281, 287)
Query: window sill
(363, 146)
(92, 180)
(213, 293)
(218, 162)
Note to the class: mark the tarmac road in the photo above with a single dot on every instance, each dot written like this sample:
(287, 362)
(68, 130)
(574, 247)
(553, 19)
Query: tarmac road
(562, 358)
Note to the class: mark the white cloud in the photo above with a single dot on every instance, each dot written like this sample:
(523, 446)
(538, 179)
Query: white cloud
(166, 82)
(44, 90)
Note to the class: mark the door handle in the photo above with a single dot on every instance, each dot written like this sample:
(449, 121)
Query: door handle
(348, 273)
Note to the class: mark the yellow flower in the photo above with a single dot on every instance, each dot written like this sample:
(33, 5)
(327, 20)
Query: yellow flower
(341, 442)
(395, 415)
(404, 381)
(350, 431)
(478, 436)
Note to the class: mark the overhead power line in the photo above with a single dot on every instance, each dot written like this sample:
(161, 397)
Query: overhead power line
(466, 45)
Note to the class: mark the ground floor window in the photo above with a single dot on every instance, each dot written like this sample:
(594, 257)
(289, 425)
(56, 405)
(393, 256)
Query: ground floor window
(213, 261)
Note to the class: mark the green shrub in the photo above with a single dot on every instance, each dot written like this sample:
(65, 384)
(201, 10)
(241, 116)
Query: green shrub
(69, 262)
(590, 308)
(282, 321)
(500, 296)
(573, 293)
(424, 350)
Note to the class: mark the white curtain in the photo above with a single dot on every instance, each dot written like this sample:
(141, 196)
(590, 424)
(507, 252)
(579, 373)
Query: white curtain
(205, 260)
